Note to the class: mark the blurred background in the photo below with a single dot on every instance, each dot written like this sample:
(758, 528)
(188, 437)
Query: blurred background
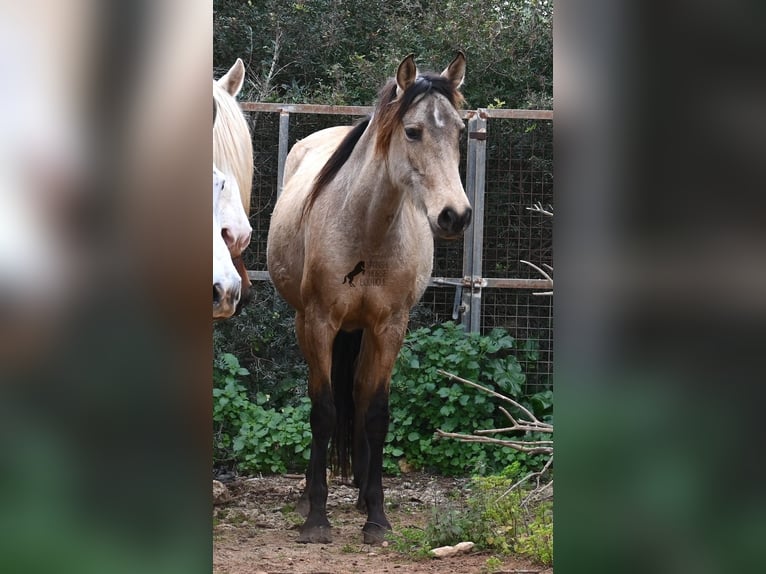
(105, 153)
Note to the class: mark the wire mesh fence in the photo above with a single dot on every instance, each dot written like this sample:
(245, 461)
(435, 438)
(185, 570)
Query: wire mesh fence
(517, 172)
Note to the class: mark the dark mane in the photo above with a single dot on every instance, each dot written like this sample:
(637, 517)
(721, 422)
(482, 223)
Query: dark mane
(336, 161)
(386, 118)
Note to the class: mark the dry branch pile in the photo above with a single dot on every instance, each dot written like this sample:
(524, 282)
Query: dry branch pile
(530, 423)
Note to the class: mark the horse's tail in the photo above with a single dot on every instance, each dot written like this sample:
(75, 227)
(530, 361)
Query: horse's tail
(345, 351)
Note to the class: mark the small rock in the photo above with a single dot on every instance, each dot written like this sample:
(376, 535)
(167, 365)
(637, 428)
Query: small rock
(444, 551)
(384, 544)
(220, 492)
(464, 546)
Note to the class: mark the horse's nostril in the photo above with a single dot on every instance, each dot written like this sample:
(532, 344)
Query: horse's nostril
(217, 293)
(447, 219)
(467, 217)
(452, 223)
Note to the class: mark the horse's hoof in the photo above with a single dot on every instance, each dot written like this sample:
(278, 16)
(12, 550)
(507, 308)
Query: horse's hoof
(315, 535)
(375, 533)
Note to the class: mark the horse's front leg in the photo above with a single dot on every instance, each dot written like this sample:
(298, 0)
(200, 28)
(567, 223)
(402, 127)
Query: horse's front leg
(379, 352)
(316, 344)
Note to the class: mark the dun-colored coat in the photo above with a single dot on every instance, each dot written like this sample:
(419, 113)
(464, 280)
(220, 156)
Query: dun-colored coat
(351, 249)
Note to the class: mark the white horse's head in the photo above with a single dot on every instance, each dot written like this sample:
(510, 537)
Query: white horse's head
(227, 284)
(233, 155)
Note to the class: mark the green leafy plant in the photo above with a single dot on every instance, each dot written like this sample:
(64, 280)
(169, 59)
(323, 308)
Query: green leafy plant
(492, 564)
(422, 400)
(263, 339)
(257, 432)
(535, 539)
(248, 434)
(494, 519)
(411, 541)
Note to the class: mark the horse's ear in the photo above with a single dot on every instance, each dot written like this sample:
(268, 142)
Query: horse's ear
(233, 79)
(406, 74)
(455, 72)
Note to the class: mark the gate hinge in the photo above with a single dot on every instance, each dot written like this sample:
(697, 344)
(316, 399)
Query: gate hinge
(478, 135)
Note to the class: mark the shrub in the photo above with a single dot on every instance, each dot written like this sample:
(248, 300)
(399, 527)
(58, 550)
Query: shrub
(423, 400)
(495, 520)
(257, 432)
(263, 339)
(250, 436)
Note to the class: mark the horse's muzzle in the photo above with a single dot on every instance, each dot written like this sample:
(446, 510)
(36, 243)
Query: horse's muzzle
(451, 223)
(225, 300)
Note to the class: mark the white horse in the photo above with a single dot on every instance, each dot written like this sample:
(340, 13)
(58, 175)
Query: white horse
(227, 285)
(232, 180)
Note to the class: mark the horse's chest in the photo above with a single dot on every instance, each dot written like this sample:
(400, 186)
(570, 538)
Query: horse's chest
(374, 283)
(375, 273)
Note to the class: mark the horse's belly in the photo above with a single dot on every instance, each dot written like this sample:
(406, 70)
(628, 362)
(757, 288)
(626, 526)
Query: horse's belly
(284, 260)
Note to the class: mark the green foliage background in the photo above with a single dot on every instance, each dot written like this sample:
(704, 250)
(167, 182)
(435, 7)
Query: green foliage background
(255, 431)
(341, 51)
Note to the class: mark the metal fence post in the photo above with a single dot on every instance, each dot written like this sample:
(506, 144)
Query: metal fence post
(284, 129)
(474, 238)
(464, 295)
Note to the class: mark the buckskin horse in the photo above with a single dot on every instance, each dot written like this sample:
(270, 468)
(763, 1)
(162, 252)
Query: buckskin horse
(378, 193)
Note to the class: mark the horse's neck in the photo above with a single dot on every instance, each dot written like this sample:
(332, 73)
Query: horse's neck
(371, 199)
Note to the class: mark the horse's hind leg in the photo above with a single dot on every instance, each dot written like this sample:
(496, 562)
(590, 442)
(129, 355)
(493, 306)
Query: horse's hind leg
(316, 344)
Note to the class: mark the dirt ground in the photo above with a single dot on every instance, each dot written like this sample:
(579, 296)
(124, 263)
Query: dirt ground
(255, 530)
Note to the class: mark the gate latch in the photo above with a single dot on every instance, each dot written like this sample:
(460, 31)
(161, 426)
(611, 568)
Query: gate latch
(474, 283)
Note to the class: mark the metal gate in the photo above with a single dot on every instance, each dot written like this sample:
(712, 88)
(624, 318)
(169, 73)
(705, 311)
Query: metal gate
(507, 169)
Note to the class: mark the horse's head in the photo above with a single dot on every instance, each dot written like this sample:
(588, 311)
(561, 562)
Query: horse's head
(232, 153)
(226, 281)
(235, 226)
(420, 127)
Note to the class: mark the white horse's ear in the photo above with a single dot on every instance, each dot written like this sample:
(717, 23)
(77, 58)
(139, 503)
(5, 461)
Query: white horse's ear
(406, 74)
(232, 80)
(455, 72)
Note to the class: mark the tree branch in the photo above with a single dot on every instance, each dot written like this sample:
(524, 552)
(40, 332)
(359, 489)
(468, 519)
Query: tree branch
(532, 418)
(541, 272)
(538, 208)
(532, 447)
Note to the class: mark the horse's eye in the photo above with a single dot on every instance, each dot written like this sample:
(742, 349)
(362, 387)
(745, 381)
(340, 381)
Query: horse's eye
(413, 134)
